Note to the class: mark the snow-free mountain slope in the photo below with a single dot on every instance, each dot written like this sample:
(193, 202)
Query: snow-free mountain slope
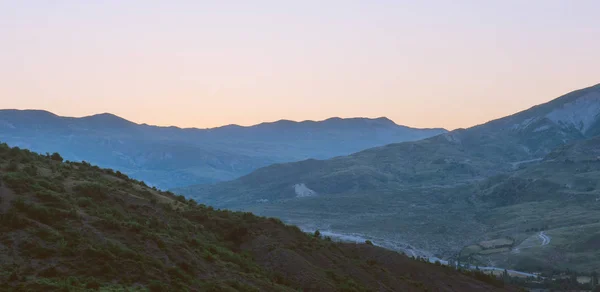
(441, 194)
(457, 157)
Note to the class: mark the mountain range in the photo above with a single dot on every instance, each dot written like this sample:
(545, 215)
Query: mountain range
(173, 157)
(447, 194)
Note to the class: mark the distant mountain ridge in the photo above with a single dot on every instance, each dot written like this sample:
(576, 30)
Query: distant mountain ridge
(173, 157)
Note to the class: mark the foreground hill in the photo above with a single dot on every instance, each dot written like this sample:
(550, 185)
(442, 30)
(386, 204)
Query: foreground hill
(74, 227)
(429, 196)
(170, 156)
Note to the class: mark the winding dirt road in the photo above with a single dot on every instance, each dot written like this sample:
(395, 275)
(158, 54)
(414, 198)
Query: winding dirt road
(544, 238)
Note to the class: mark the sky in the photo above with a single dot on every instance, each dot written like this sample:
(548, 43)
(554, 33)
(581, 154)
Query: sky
(203, 64)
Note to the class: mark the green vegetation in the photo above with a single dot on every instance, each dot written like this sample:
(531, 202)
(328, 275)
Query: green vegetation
(67, 226)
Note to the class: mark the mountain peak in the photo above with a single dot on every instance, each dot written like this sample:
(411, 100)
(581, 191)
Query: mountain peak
(385, 120)
(107, 120)
(107, 116)
(27, 112)
(380, 121)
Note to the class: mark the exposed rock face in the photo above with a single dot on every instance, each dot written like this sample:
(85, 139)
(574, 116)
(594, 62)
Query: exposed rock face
(580, 114)
(303, 191)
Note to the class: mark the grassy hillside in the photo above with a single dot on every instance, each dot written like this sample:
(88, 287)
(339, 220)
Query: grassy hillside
(559, 196)
(75, 227)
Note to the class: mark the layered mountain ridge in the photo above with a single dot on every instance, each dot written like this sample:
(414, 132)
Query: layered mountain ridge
(171, 156)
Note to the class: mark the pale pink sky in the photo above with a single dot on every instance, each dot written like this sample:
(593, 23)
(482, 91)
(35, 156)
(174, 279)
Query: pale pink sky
(209, 63)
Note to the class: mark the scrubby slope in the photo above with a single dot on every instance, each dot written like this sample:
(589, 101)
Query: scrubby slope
(74, 226)
(560, 196)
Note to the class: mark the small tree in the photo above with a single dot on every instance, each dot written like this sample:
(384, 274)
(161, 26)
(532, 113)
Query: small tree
(317, 234)
(56, 157)
(368, 242)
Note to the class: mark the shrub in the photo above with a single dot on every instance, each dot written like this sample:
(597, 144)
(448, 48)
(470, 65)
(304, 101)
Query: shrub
(181, 198)
(92, 283)
(31, 170)
(157, 286)
(14, 276)
(272, 219)
(490, 279)
(13, 165)
(84, 202)
(239, 286)
(178, 273)
(237, 234)
(209, 256)
(51, 198)
(133, 226)
(38, 251)
(368, 242)
(121, 175)
(192, 202)
(18, 181)
(46, 184)
(109, 223)
(4, 147)
(12, 221)
(317, 234)
(15, 152)
(56, 157)
(92, 190)
(37, 212)
(51, 272)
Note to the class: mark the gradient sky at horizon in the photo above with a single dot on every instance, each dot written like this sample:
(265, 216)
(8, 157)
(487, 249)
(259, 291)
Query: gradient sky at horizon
(209, 63)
